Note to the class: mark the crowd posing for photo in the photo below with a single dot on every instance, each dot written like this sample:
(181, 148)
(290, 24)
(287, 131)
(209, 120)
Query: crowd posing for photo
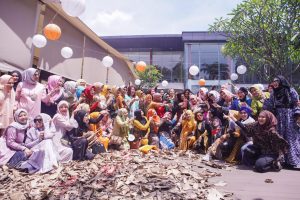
(45, 125)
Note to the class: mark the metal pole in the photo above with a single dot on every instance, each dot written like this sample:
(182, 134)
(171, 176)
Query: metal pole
(107, 68)
(82, 62)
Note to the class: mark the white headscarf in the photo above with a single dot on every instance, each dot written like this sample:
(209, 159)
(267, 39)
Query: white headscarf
(63, 102)
(16, 124)
(27, 76)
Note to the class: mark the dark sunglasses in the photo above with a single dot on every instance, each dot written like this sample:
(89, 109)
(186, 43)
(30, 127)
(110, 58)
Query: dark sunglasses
(38, 120)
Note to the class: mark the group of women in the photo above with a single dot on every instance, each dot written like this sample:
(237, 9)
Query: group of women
(45, 125)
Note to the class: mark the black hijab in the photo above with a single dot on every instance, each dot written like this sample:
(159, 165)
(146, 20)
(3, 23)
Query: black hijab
(138, 116)
(79, 115)
(19, 80)
(245, 91)
(282, 97)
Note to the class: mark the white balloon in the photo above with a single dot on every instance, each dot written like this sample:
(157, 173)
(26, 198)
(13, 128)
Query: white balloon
(234, 76)
(73, 8)
(241, 69)
(164, 83)
(107, 61)
(137, 82)
(194, 70)
(39, 40)
(142, 63)
(66, 52)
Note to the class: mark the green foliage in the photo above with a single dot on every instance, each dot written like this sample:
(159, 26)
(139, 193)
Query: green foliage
(150, 77)
(260, 33)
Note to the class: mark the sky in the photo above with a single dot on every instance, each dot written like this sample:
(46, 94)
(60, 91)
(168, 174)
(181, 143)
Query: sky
(144, 17)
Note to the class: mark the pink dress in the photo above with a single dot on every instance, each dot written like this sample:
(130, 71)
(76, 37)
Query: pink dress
(30, 96)
(7, 102)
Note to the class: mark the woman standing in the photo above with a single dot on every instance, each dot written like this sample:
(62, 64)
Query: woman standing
(13, 151)
(282, 102)
(7, 101)
(55, 92)
(30, 93)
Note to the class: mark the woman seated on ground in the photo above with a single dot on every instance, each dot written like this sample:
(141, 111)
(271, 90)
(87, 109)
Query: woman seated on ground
(40, 137)
(70, 94)
(188, 123)
(154, 126)
(141, 129)
(103, 128)
(63, 123)
(81, 138)
(268, 144)
(120, 131)
(202, 133)
(14, 152)
(165, 131)
(258, 99)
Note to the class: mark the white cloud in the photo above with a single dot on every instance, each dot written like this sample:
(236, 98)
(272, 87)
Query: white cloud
(108, 18)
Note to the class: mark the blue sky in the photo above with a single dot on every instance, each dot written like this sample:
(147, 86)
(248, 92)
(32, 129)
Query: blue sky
(142, 17)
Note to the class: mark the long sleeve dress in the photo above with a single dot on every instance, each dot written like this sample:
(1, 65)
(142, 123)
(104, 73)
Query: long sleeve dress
(33, 141)
(61, 126)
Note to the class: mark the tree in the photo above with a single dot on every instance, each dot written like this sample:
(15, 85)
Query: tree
(260, 35)
(150, 77)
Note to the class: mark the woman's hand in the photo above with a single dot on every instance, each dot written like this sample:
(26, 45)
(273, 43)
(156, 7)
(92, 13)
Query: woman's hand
(28, 152)
(42, 135)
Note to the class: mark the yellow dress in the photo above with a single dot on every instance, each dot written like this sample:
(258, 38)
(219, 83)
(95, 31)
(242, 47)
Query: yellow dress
(140, 127)
(186, 142)
(97, 129)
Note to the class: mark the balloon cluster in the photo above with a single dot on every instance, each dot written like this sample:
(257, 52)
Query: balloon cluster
(242, 69)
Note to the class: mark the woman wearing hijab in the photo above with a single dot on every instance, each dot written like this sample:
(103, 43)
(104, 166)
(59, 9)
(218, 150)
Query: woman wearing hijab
(17, 76)
(283, 101)
(70, 93)
(141, 127)
(120, 129)
(63, 123)
(202, 133)
(87, 96)
(154, 126)
(180, 105)
(258, 99)
(13, 151)
(56, 94)
(40, 137)
(7, 101)
(202, 94)
(30, 93)
(266, 140)
(132, 101)
(187, 138)
(242, 94)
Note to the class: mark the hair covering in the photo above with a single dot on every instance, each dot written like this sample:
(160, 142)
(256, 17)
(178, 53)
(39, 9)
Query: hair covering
(46, 120)
(3, 81)
(87, 92)
(270, 123)
(16, 124)
(70, 86)
(247, 109)
(63, 102)
(282, 93)
(152, 114)
(104, 90)
(19, 80)
(83, 106)
(121, 112)
(227, 93)
(98, 84)
(215, 94)
(78, 116)
(52, 84)
(79, 90)
(258, 89)
(138, 114)
(27, 76)
(148, 98)
(80, 82)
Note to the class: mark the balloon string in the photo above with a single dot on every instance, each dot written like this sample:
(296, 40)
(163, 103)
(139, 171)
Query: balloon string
(51, 21)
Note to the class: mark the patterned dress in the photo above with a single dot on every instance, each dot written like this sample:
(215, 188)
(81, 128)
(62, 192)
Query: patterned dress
(286, 127)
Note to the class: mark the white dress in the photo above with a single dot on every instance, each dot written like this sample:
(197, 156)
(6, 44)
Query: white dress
(61, 125)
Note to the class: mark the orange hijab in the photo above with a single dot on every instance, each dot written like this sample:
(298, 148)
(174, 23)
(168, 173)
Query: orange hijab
(152, 113)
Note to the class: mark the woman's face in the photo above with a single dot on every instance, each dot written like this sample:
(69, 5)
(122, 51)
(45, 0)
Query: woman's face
(216, 122)
(36, 76)
(86, 119)
(152, 92)
(23, 118)
(38, 122)
(222, 95)
(244, 115)
(212, 97)
(182, 97)
(241, 94)
(276, 83)
(63, 109)
(162, 92)
(125, 113)
(10, 83)
(132, 92)
(92, 91)
(261, 119)
(193, 100)
(172, 92)
(15, 77)
(187, 94)
(254, 92)
(188, 116)
(60, 82)
(199, 116)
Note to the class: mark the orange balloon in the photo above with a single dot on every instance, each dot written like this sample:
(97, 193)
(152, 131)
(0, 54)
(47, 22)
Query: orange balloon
(52, 32)
(141, 66)
(201, 82)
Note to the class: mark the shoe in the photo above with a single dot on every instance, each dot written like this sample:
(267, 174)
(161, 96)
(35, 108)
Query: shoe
(277, 166)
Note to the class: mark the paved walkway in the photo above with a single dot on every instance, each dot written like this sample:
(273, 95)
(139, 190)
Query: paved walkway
(249, 185)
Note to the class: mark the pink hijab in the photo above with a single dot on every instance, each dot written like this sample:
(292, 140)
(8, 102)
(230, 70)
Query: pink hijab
(52, 85)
